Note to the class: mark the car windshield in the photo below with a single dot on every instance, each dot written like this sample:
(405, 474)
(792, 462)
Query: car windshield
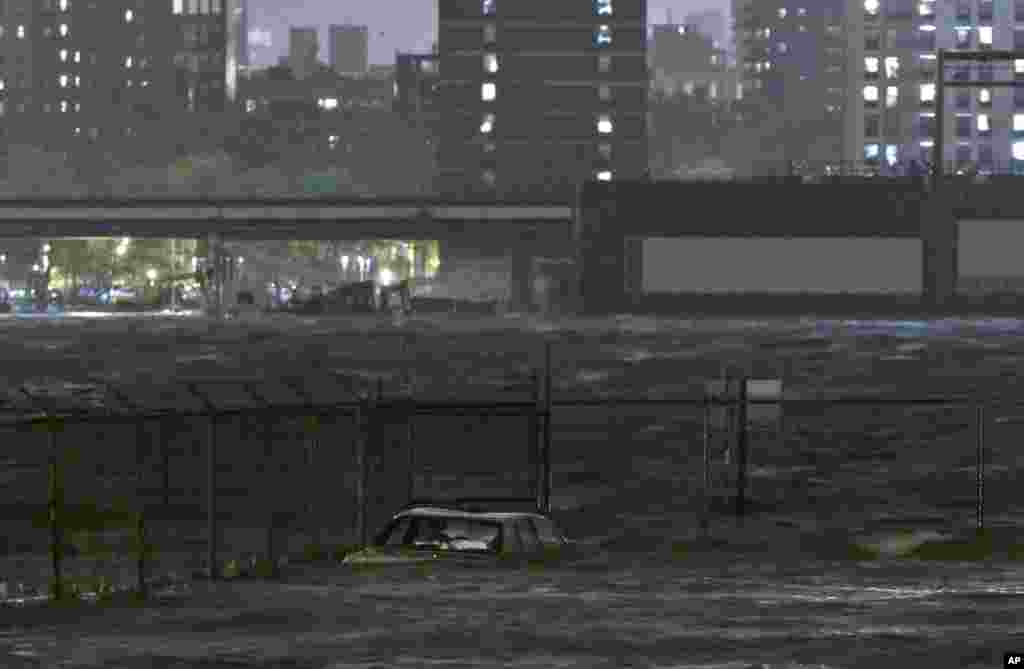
(452, 534)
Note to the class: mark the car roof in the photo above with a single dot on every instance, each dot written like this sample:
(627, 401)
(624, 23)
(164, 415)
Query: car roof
(423, 511)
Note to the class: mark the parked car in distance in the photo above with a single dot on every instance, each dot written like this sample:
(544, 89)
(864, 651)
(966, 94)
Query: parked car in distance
(464, 532)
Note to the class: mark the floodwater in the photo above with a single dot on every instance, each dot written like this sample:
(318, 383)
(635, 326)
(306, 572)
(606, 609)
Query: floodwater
(729, 612)
(736, 615)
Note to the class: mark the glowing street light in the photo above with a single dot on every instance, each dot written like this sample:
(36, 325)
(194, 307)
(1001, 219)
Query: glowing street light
(35, 267)
(151, 274)
(386, 277)
(46, 248)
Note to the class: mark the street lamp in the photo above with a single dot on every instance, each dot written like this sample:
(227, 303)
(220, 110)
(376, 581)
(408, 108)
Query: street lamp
(151, 274)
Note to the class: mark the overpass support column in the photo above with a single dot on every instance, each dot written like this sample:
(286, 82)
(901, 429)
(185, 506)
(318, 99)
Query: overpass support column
(938, 233)
(215, 290)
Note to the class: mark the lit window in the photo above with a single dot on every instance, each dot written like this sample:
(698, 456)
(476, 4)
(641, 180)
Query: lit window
(78, 56)
(1018, 122)
(78, 131)
(892, 153)
(985, 96)
(925, 8)
(487, 124)
(128, 61)
(871, 151)
(250, 105)
(489, 177)
(1018, 150)
(3, 108)
(63, 54)
(488, 7)
(871, 65)
(63, 29)
(892, 96)
(927, 28)
(604, 92)
(490, 33)
(1018, 66)
(604, 175)
(63, 105)
(78, 81)
(178, 7)
(490, 63)
(63, 5)
(985, 35)
(871, 93)
(490, 147)
(603, 7)
(801, 12)
(488, 91)
(323, 103)
(129, 16)
(604, 63)
(983, 123)
(872, 7)
(604, 124)
(892, 67)
(78, 106)
(63, 79)
(783, 47)
(332, 141)
(927, 92)
(21, 32)
(144, 83)
(603, 35)
(782, 12)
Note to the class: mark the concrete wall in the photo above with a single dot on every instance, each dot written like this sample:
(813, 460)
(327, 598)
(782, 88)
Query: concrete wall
(990, 256)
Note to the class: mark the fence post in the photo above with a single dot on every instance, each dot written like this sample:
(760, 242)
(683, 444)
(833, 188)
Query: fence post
(211, 492)
(534, 442)
(268, 477)
(361, 467)
(980, 469)
(547, 427)
(741, 450)
(312, 424)
(165, 457)
(54, 504)
(706, 502)
(140, 537)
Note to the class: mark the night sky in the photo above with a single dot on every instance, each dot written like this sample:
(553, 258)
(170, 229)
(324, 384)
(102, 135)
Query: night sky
(403, 25)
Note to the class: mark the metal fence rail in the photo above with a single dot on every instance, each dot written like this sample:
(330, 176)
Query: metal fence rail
(538, 412)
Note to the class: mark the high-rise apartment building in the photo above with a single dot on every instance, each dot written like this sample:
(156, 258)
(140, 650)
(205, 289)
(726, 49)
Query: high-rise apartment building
(240, 20)
(350, 49)
(303, 49)
(77, 73)
(685, 59)
(710, 22)
(539, 96)
(894, 44)
(794, 68)
(203, 49)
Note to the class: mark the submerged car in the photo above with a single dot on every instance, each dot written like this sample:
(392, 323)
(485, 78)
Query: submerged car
(463, 533)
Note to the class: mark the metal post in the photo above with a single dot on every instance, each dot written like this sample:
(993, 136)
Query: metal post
(165, 456)
(939, 143)
(707, 470)
(54, 508)
(547, 428)
(361, 466)
(211, 501)
(741, 450)
(410, 424)
(980, 469)
(268, 477)
(140, 537)
(533, 442)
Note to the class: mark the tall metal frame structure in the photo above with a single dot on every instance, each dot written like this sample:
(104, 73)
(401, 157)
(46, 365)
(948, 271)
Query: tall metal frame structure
(946, 56)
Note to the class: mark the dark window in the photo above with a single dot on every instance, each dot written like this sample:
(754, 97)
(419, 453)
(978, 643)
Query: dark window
(546, 531)
(985, 11)
(872, 126)
(1018, 97)
(963, 99)
(1018, 11)
(528, 535)
(1018, 39)
(963, 127)
(963, 155)
(963, 11)
(986, 72)
(985, 155)
(873, 42)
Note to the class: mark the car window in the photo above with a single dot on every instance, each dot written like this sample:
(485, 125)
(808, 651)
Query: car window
(394, 533)
(528, 535)
(510, 539)
(546, 530)
(455, 534)
(427, 532)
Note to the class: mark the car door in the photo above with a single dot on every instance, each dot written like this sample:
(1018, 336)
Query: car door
(528, 538)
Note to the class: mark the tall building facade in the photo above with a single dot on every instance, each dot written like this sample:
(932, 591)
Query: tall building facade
(794, 70)
(303, 48)
(540, 96)
(240, 19)
(350, 49)
(710, 22)
(895, 45)
(105, 74)
(686, 60)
